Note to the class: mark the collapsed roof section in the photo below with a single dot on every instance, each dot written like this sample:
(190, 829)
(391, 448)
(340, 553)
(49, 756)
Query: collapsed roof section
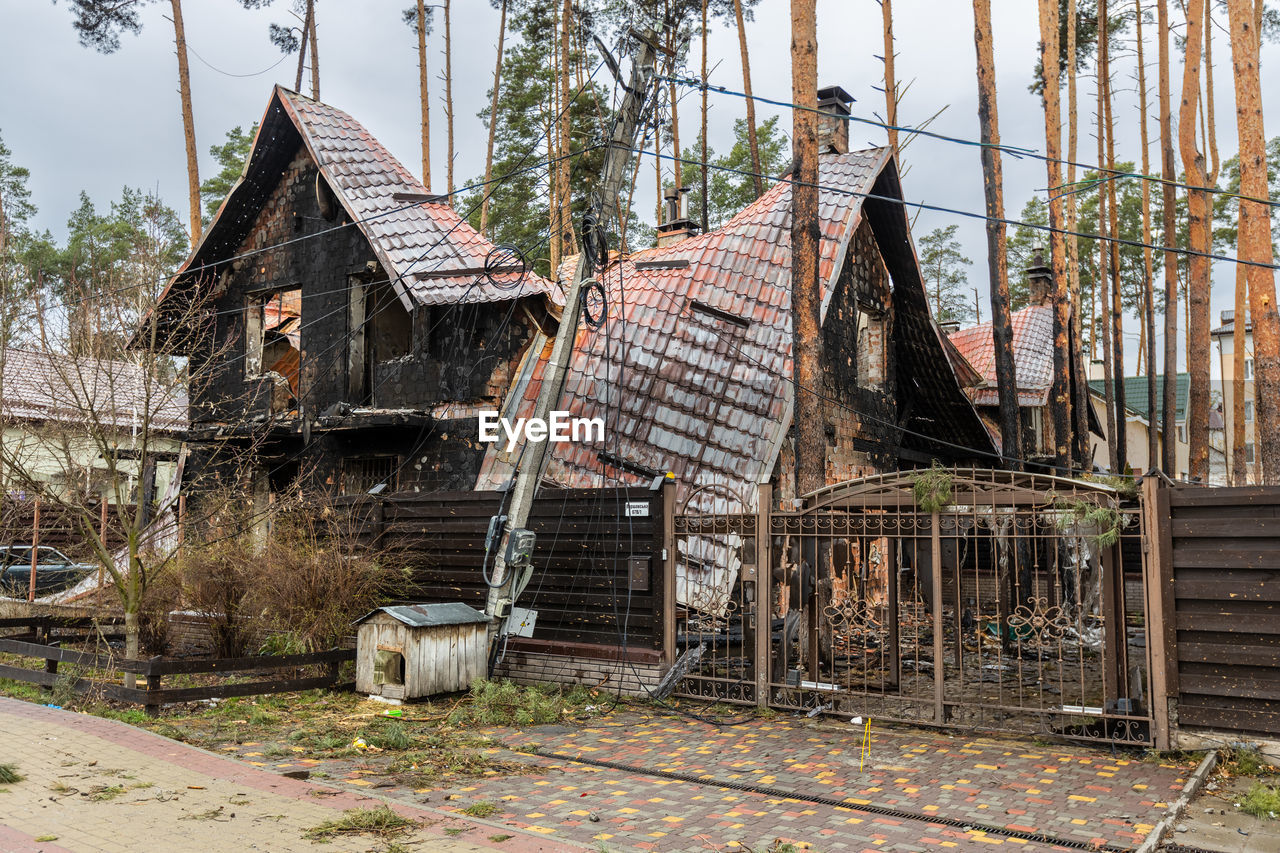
(692, 371)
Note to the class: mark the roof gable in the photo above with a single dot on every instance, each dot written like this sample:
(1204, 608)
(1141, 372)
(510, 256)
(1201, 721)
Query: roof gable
(432, 255)
(1032, 356)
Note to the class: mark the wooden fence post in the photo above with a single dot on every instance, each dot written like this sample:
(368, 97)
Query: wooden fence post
(1157, 570)
(764, 592)
(154, 680)
(939, 650)
(102, 534)
(35, 551)
(668, 572)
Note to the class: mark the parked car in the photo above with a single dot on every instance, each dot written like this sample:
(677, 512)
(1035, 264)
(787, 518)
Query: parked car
(55, 571)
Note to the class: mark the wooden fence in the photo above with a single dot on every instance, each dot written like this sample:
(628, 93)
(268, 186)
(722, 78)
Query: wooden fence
(598, 575)
(56, 527)
(41, 636)
(1215, 613)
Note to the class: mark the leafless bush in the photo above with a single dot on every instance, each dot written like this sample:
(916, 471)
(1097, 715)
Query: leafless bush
(297, 578)
(313, 581)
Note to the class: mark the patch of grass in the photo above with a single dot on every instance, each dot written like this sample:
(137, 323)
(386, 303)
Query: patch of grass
(62, 788)
(331, 741)
(484, 808)
(275, 750)
(392, 736)
(46, 838)
(498, 839)
(262, 717)
(504, 703)
(1262, 801)
(103, 793)
(381, 821)
(21, 690)
(1243, 762)
(453, 831)
(9, 774)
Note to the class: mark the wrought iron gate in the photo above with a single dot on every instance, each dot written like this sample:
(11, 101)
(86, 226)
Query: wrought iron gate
(967, 598)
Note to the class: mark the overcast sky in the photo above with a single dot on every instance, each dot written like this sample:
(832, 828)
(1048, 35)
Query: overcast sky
(83, 121)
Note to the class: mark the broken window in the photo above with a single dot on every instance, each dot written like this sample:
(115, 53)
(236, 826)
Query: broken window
(381, 331)
(388, 667)
(362, 473)
(273, 337)
(872, 355)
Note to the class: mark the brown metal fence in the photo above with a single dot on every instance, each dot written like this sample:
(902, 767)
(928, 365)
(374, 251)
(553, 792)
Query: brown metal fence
(1001, 608)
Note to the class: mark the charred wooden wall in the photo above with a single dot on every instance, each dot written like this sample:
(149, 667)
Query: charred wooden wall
(442, 354)
(598, 570)
(1220, 550)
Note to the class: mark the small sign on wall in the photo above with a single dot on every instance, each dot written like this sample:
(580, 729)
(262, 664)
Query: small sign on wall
(637, 509)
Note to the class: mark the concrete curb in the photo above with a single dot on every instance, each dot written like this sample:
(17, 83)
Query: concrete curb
(1189, 790)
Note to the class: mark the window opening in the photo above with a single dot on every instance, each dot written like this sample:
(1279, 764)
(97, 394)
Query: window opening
(274, 337)
(362, 473)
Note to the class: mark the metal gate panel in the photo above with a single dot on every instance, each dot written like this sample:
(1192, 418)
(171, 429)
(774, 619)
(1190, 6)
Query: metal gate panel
(1005, 609)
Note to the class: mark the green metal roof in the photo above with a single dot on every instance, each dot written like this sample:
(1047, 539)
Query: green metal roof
(1135, 393)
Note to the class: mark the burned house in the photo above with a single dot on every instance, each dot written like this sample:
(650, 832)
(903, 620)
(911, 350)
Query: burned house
(691, 370)
(356, 324)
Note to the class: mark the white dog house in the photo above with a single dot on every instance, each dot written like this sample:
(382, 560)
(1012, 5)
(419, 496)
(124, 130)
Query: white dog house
(416, 650)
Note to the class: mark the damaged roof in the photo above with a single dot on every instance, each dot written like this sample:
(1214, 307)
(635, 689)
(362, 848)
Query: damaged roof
(1032, 356)
(43, 386)
(691, 373)
(432, 255)
(430, 615)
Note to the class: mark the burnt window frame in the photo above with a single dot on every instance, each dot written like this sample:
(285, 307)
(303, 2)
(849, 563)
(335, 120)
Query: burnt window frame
(255, 333)
(366, 476)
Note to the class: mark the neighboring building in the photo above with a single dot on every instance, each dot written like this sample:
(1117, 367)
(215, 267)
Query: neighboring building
(1138, 426)
(62, 415)
(1224, 337)
(1033, 364)
(349, 358)
(692, 375)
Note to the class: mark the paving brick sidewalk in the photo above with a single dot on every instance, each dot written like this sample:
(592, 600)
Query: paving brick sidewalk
(1086, 796)
(101, 785)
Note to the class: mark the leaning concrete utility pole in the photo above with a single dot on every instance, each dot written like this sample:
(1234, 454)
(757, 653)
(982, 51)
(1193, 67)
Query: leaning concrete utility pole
(506, 586)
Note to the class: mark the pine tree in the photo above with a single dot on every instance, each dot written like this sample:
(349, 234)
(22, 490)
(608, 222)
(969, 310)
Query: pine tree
(99, 24)
(997, 242)
(231, 156)
(942, 265)
(1199, 239)
(730, 178)
(1255, 237)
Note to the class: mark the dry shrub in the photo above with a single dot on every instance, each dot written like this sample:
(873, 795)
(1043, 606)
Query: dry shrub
(312, 581)
(162, 596)
(299, 583)
(217, 577)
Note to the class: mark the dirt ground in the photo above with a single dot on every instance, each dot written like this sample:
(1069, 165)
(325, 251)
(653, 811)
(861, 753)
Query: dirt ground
(1217, 818)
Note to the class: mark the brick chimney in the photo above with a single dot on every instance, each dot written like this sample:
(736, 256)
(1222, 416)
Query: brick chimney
(833, 124)
(678, 225)
(1040, 281)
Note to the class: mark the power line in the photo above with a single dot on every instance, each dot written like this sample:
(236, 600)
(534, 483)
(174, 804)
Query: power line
(1013, 151)
(1138, 244)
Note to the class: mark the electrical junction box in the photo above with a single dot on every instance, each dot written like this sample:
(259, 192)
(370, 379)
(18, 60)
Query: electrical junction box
(522, 622)
(638, 570)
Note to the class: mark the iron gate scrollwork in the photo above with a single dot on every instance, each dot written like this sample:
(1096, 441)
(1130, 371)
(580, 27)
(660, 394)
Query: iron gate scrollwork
(1018, 606)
